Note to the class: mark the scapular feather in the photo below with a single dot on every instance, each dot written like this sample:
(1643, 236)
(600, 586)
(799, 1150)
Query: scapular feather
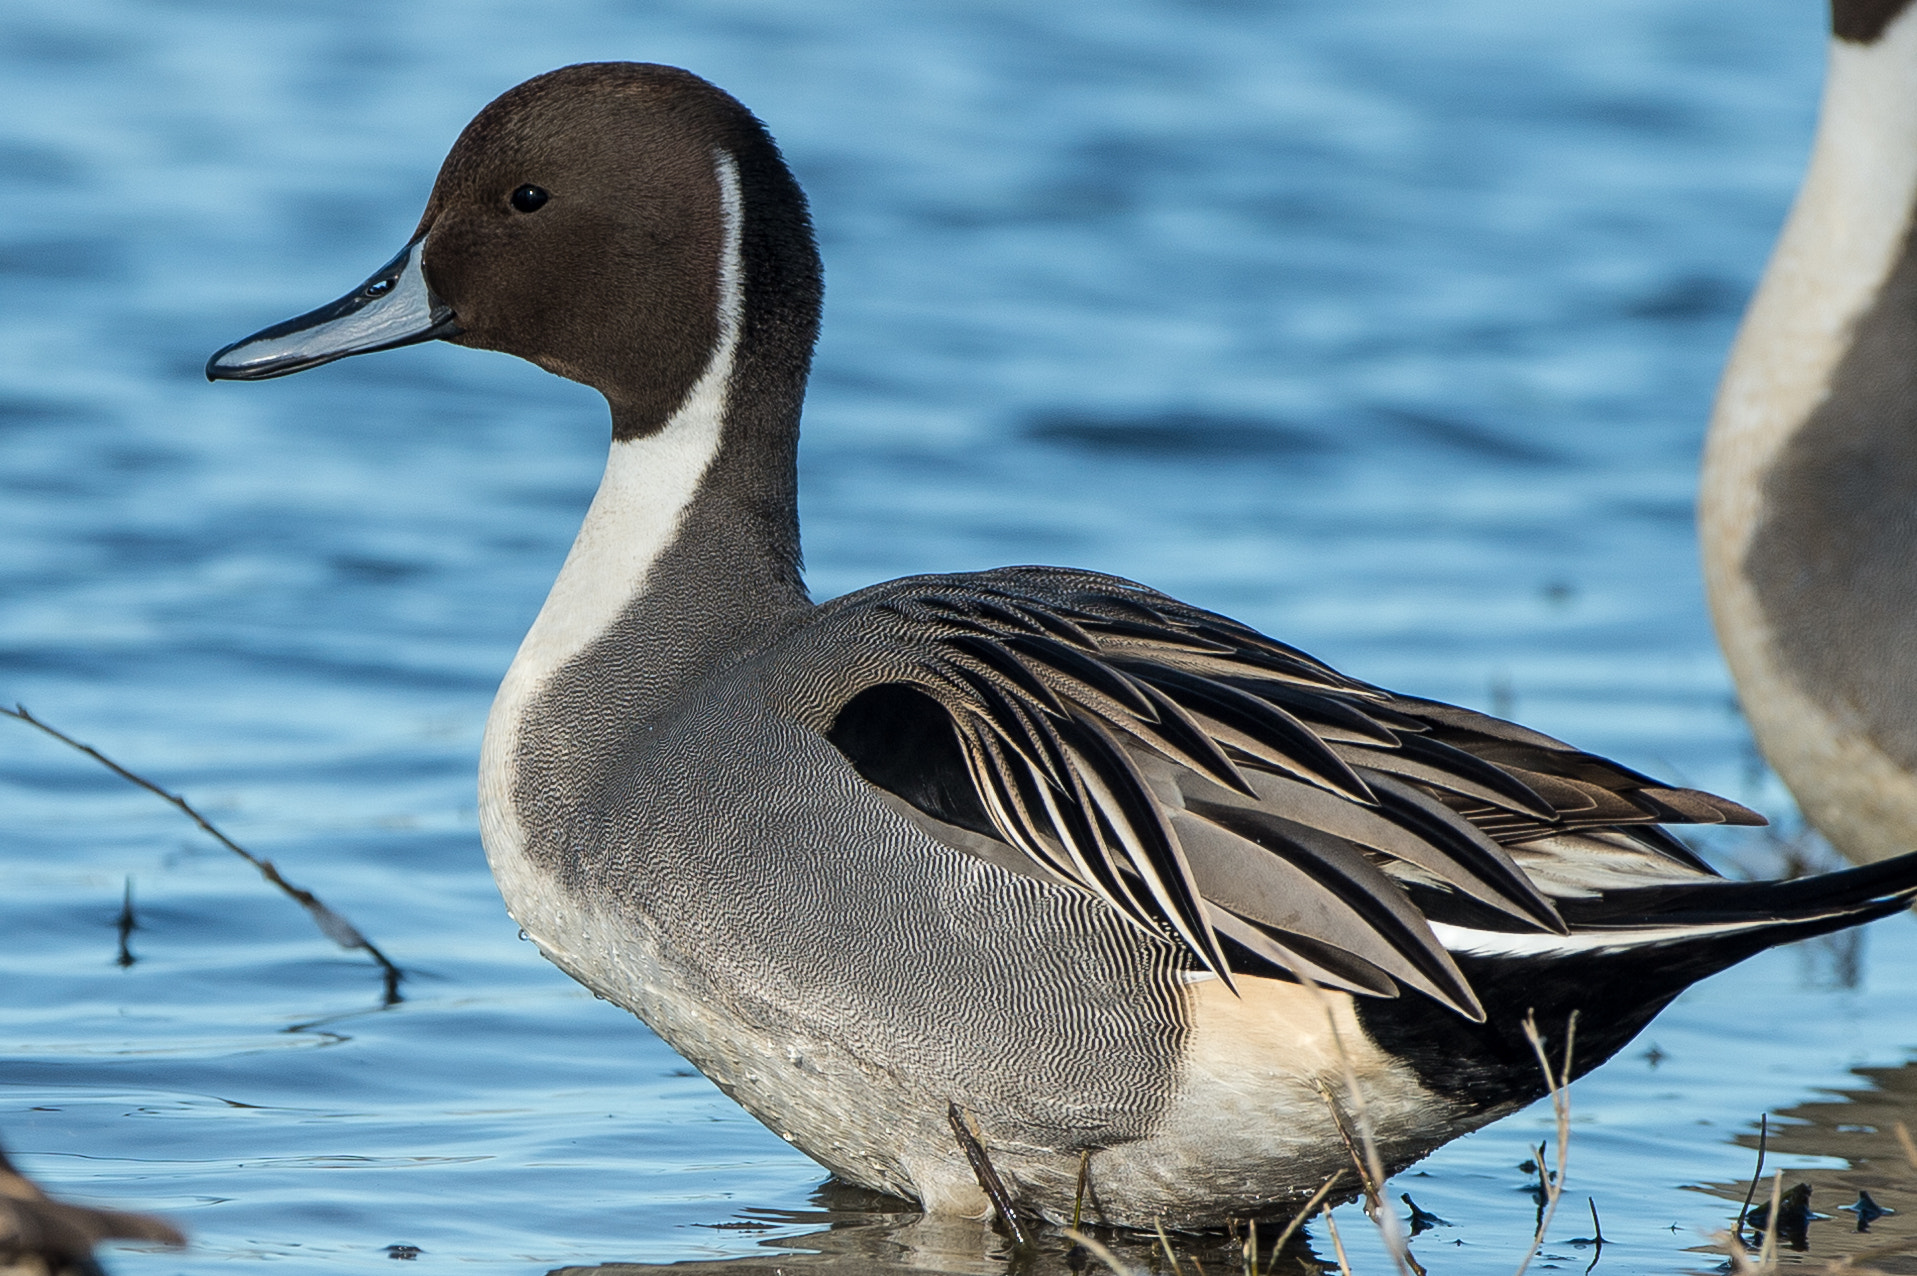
(1291, 739)
(1022, 704)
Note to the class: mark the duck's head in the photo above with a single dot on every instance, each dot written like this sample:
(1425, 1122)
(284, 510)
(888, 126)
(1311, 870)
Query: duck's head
(615, 223)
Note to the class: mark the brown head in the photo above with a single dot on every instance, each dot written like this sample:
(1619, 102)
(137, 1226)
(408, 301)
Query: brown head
(1863, 21)
(581, 222)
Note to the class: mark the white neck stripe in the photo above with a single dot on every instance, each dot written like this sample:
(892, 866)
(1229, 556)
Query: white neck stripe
(635, 517)
(648, 484)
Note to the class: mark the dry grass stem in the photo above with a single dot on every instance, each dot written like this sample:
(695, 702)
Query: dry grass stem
(1098, 1251)
(1767, 1252)
(1337, 1245)
(331, 924)
(1370, 1166)
(1558, 1081)
(1373, 1190)
(1303, 1216)
(1164, 1243)
(1732, 1247)
(1907, 1143)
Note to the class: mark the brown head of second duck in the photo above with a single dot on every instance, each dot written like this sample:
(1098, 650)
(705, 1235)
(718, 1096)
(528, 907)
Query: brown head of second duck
(1115, 875)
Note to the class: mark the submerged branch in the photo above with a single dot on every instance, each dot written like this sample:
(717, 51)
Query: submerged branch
(331, 924)
(1763, 1139)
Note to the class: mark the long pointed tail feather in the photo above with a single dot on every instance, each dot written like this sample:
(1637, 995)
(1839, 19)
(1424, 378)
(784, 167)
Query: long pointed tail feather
(1628, 954)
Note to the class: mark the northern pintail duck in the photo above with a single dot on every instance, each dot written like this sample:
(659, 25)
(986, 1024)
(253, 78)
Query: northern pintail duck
(1808, 510)
(1100, 868)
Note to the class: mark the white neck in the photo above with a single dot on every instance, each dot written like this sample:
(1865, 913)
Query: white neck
(1844, 235)
(1838, 248)
(634, 518)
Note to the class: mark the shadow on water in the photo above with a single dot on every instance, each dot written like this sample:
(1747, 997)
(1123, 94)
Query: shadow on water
(1863, 1210)
(854, 1230)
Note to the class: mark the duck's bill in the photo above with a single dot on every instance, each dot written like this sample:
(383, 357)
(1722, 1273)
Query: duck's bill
(393, 308)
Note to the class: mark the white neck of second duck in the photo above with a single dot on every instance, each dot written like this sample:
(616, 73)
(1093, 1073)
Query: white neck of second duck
(1848, 231)
(1845, 232)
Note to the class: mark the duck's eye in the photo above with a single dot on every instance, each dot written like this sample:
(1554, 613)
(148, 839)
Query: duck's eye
(378, 288)
(529, 198)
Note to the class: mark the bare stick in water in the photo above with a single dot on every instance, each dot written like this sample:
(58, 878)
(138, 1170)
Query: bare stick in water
(126, 925)
(1597, 1235)
(1757, 1175)
(971, 1142)
(331, 924)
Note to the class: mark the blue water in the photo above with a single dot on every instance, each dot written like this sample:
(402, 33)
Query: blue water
(1388, 326)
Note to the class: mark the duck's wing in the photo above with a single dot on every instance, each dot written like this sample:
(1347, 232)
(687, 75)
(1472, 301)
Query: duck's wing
(1222, 789)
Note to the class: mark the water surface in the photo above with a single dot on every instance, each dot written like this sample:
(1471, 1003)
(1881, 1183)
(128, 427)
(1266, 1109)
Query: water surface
(1389, 327)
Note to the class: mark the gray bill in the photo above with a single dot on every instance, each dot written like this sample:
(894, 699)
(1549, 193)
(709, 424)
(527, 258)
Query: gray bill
(393, 308)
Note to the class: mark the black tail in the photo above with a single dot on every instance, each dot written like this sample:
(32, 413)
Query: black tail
(1828, 901)
(1617, 988)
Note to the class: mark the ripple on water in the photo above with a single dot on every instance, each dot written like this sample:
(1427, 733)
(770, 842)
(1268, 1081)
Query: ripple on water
(1389, 327)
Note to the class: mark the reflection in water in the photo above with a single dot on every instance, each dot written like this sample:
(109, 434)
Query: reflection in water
(855, 1231)
(1841, 1158)
(1834, 961)
(1845, 1150)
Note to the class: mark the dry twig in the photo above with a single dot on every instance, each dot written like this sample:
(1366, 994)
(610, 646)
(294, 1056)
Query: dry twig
(971, 1141)
(1757, 1175)
(1559, 1082)
(331, 924)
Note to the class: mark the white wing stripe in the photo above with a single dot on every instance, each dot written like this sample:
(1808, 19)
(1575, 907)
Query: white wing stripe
(1493, 943)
